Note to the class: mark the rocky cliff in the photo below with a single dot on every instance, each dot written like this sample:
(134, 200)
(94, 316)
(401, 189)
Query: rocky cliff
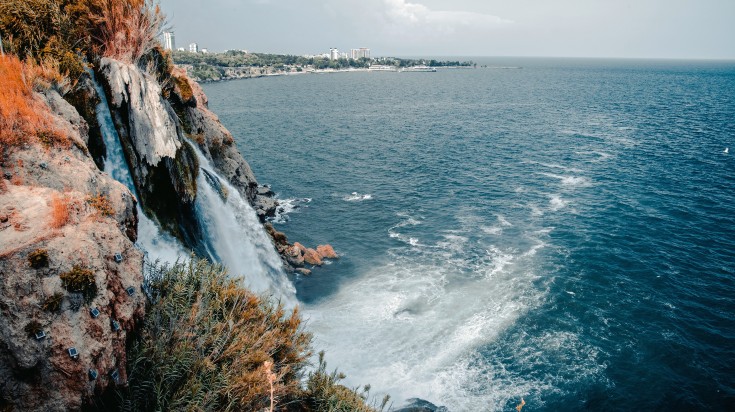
(66, 304)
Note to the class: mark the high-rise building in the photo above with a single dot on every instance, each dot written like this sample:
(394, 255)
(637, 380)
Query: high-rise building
(360, 53)
(333, 54)
(193, 48)
(169, 41)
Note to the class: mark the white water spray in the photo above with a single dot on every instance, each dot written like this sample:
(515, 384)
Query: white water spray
(232, 234)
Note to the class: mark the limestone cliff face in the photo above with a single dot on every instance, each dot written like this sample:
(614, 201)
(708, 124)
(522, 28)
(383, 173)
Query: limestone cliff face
(216, 142)
(61, 217)
(163, 166)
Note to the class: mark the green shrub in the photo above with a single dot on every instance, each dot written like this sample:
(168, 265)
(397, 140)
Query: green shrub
(210, 345)
(206, 342)
(80, 280)
(324, 393)
(38, 258)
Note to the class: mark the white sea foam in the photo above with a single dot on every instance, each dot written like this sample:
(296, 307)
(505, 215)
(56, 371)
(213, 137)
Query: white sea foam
(571, 181)
(599, 155)
(286, 207)
(357, 197)
(411, 327)
(556, 203)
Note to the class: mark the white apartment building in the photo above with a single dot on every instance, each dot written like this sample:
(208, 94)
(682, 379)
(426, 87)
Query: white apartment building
(169, 41)
(193, 48)
(362, 52)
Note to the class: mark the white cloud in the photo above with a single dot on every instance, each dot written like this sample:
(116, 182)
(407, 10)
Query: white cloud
(403, 13)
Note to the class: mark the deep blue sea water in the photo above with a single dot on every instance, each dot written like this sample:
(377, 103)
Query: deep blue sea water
(563, 232)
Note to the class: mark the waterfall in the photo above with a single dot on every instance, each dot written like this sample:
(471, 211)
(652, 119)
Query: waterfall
(233, 235)
(157, 244)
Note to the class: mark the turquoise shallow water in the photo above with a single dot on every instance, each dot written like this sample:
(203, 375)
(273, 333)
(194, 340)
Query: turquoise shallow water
(563, 232)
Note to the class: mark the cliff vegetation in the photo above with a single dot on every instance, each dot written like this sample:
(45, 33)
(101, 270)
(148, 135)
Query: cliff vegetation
(75, 330)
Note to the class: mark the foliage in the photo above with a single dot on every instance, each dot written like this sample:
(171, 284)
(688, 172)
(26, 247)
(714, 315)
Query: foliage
(53, 302)
(33, 327)
(80, 280)
(102, 204)
(38, 258)
(127, 30)
(22, 116)
(59, 211)
(206, 343)
(324, 393)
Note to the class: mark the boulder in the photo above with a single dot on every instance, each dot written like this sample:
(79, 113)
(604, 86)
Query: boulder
(303, 271)
(326, 252)
(301, 247)
(294, 256)
(312, 257)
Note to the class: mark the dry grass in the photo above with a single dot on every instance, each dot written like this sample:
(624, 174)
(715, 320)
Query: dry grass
(210, 345)
(59, 211)
(129, 29)
(102, 204)
(22, 115)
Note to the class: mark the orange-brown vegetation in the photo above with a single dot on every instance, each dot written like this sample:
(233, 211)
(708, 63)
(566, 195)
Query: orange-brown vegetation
(127, 30)
(59, 211)
(211, 345)
(102, 204)
(22, 115)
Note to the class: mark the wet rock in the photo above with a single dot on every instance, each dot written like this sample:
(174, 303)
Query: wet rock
(326, 252)
(301, 247)
(420, 405)
(303, 271)
(312, 257)
(294, 256)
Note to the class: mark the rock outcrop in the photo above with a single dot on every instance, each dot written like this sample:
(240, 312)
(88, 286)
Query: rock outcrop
(216, 142)
(295, 256)
(162, 163)
(62, 221)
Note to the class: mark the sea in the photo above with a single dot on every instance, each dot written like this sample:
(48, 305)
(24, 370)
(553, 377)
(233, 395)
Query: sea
(558, 232)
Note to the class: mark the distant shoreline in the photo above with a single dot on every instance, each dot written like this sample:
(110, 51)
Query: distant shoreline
(325, 71)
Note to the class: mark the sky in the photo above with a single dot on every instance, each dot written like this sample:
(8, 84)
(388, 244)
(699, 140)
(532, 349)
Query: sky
(692, 29)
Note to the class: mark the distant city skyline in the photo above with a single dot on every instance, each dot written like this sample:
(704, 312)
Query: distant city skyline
(563, 28)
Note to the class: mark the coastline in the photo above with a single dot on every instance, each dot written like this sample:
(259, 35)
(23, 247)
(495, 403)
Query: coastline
(310, 71)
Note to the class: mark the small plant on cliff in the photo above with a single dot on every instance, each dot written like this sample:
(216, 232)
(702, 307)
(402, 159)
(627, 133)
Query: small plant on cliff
(38, 258)
(324, 393)
(32, 328)
(59, 211)
(53, 302)
(80, 280)
(128, 29)
(102, 204)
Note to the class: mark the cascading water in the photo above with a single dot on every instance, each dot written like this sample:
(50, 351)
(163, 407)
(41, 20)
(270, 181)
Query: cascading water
(232, 233)
(157, 244)
(234, 236)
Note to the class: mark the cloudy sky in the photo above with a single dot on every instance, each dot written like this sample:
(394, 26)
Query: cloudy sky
(567, 28)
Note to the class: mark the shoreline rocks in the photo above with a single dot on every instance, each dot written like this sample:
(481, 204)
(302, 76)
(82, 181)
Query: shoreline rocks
(296, 256)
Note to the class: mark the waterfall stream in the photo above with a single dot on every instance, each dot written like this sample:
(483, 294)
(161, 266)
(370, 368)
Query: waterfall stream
(232, 232)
